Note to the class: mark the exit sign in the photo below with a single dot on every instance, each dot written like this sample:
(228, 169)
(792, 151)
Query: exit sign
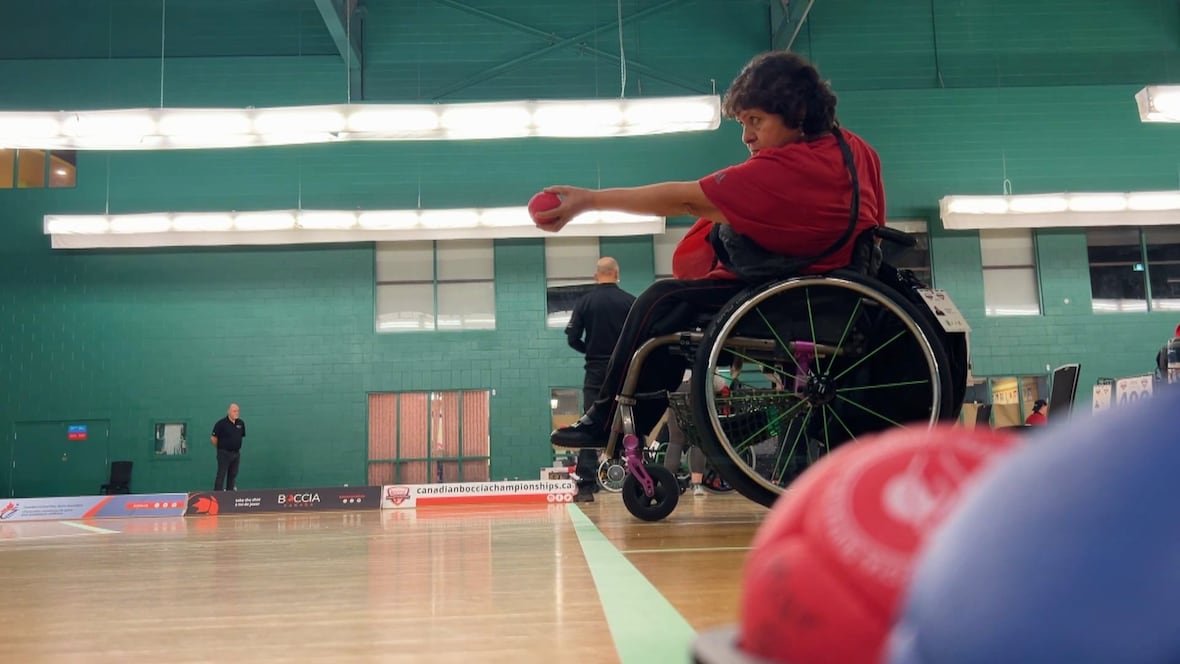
(76, 432)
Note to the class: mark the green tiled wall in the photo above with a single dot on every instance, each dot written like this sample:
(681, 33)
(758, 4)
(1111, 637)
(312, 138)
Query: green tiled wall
(1038, 93)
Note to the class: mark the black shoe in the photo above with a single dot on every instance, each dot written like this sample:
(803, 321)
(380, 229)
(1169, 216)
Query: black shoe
(584, 433)
(584, 496)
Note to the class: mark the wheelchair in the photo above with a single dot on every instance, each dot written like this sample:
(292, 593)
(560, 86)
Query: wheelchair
(838, 355)
(612, 471)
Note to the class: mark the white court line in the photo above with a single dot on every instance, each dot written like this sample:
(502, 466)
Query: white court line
(93, 529)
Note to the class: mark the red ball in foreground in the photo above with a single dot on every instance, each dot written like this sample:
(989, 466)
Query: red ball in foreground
(830, 563)
(540, 203)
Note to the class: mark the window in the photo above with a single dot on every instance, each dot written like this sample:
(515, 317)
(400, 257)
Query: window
(427, 437)
(663, 246)
(30, 169)
(431, 285)
(1009, 273)
(565, 404)
(569, 274)
(1132, 267)
(34, 169)
(7, 167)
(1163, 266)
(916, 258)
(1117, 272)
(1013, 397)
(63, 168)
(171, 439)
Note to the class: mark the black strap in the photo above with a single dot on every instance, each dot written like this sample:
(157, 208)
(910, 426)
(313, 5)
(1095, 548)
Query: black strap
(850, 164)
(749, 261)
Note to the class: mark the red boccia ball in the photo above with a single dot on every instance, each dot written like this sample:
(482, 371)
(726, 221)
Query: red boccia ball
(540, 203)
(829, 565)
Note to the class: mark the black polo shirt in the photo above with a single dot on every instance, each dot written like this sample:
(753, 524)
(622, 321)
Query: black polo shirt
(599, 315)
(229, 434)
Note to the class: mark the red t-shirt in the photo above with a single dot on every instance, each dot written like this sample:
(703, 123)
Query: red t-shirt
(795, 200)
(1037, 419)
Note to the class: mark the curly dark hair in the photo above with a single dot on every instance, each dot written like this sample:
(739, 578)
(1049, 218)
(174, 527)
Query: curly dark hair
(785, 84)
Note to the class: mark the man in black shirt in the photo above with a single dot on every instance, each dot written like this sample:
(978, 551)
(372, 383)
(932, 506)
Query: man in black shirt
(598, 317)
(227, 438)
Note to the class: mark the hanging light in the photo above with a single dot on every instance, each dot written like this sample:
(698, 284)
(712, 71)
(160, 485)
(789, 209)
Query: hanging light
(204, 128)
(272, 227)
(1080, 209)
(1159, 103)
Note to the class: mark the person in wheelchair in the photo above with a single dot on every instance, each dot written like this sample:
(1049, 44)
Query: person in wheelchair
(793, 197)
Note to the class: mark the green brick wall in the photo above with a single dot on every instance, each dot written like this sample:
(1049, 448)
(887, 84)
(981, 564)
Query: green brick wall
(1038, 92)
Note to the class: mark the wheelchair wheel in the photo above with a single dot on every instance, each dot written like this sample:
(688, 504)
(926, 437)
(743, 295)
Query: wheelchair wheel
(825, 359)
(611, 474)
(657, 506)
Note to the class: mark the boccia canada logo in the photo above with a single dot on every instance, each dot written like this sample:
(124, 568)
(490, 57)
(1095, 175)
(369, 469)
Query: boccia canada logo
(299, 499)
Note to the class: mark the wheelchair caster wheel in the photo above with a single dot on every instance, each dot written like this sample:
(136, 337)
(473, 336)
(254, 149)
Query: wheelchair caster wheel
(665, 494)
(611, 474)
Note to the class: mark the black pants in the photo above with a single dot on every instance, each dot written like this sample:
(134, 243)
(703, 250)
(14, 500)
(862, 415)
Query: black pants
(667, 306)
(587, 466)
(227, 469)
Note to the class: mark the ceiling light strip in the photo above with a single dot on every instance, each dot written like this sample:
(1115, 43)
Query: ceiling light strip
(277, 227)
(1080, 209)
(1159, 103)
(205, 128)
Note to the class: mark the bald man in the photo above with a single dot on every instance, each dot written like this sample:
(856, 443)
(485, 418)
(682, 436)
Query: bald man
(593, 330)
(227, 438)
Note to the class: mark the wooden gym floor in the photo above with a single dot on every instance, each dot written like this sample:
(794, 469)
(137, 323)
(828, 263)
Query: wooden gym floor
(551, 583)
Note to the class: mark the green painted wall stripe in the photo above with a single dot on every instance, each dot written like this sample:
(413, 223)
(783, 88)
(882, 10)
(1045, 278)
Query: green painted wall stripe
(645, 626)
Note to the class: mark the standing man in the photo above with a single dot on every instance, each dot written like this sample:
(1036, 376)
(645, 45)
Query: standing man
(227, 438)
(598, 317)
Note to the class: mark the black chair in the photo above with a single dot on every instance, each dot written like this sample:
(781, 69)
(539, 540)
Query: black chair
(120, 481)
(983, 416)
(1064, 390)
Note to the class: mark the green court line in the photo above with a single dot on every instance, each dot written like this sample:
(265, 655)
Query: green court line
(83, 526)
(645, 626)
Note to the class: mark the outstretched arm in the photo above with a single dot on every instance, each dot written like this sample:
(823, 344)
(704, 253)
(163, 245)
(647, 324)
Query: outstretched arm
(666, 199)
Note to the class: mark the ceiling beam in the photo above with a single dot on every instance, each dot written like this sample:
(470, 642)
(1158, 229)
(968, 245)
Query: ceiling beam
(700, 88)
(338, 15)
(496, 70)
(780, 16)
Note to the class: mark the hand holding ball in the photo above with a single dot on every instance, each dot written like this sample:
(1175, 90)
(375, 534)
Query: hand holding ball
(543, 202)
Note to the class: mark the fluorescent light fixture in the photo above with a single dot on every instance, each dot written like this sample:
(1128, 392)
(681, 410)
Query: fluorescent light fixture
(278, 227)
(141, 223)
(202, 222)
(1159, 103)
(203, 128)
(1072, 210)
(326, 219)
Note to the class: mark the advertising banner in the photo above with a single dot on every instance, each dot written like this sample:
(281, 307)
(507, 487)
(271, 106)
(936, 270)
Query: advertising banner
(92, 507)
(1101, 398)
(33, 509)
(403, 496)
(284, 500)
(1133, 388)
(138, 505)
